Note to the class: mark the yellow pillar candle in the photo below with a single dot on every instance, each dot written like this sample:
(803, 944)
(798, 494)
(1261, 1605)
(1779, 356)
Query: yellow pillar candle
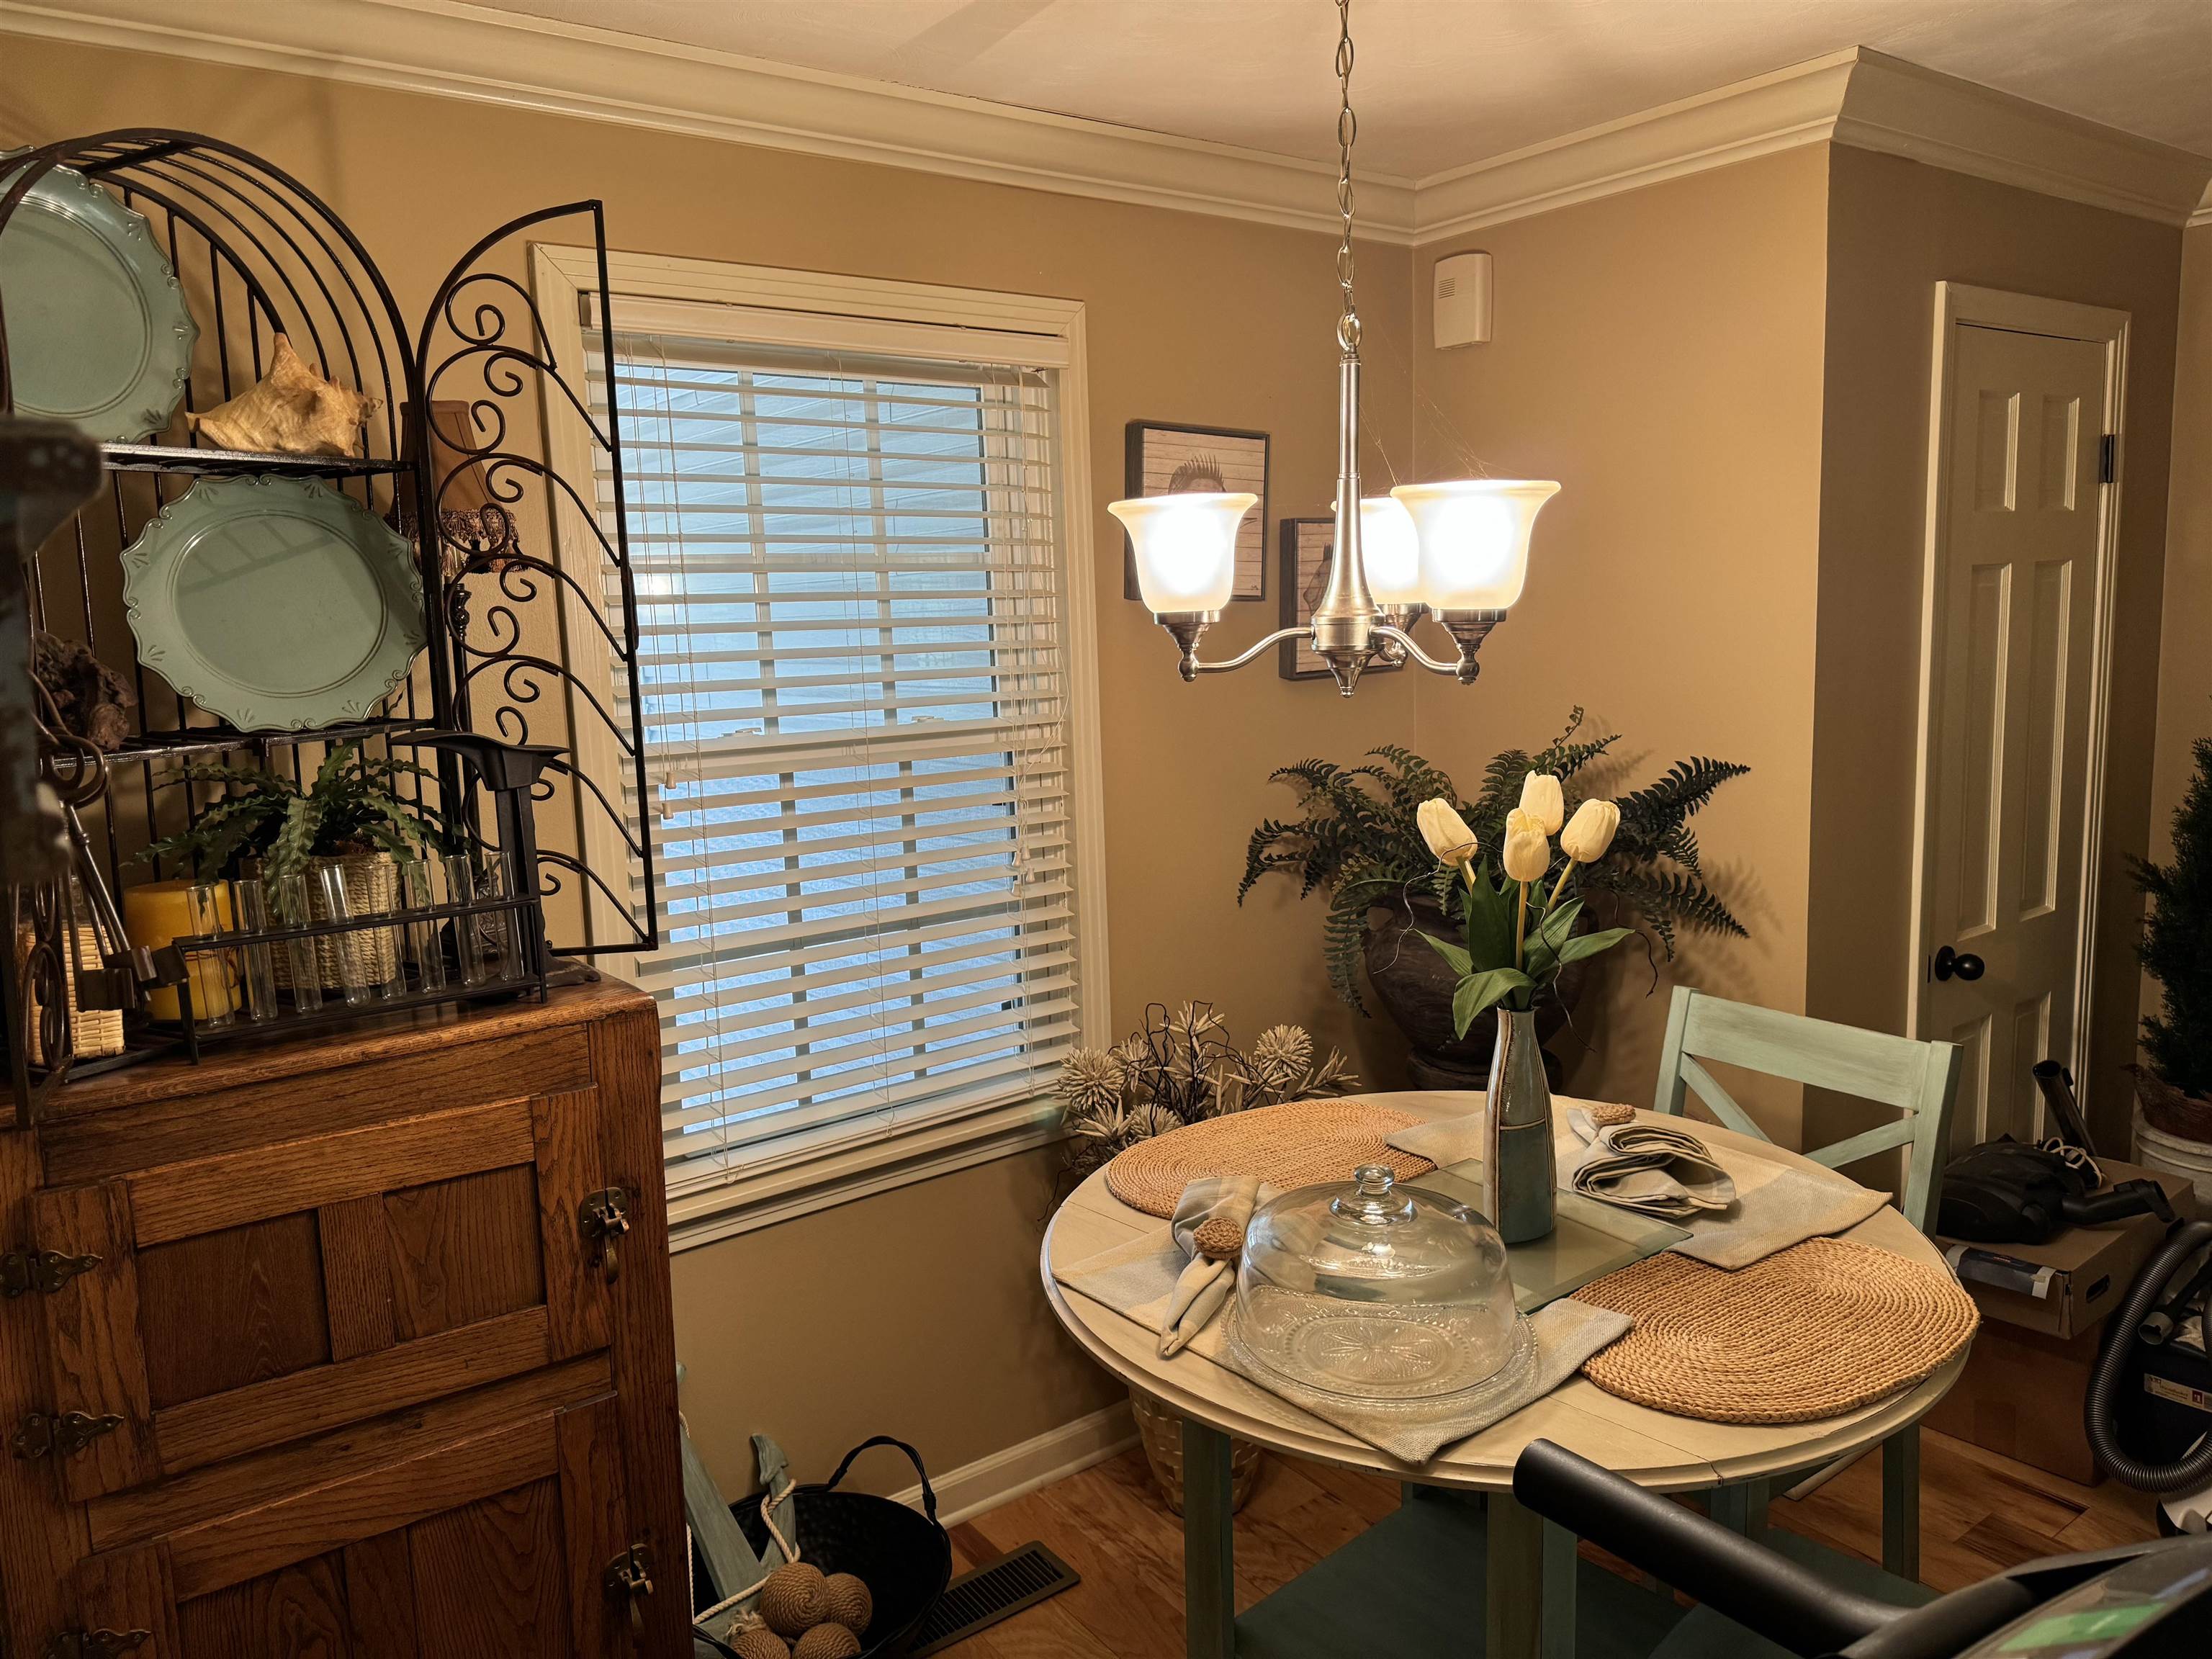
(159, 913)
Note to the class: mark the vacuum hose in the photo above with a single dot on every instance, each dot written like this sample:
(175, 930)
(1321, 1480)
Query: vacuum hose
(2120, 1331)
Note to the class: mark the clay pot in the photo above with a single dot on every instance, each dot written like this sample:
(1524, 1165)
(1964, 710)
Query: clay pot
(1414, 986)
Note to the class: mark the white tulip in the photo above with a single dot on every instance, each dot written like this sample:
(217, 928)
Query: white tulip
(1528, 850)
(1542, 799)
(1446, 832)
(1590, 831)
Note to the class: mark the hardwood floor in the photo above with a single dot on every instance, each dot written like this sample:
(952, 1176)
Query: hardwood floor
(1979, 1513)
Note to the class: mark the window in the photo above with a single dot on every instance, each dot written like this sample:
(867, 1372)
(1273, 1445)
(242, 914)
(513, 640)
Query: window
(862, 642)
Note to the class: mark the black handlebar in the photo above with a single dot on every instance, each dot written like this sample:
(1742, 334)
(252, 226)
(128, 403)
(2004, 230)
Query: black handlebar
(1771, 1594)
(1780, 1600)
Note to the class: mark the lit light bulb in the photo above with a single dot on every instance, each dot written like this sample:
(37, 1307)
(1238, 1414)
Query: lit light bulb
(1473, 537)
(1392, 548)
(1186, 548)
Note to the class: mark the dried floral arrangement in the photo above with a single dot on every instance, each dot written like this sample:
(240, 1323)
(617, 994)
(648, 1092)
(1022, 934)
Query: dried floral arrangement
(1179, 1068)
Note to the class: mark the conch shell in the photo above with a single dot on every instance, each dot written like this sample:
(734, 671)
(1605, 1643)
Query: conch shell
(290, 410)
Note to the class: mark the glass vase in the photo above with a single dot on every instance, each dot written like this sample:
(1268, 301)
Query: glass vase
(1519, 1172)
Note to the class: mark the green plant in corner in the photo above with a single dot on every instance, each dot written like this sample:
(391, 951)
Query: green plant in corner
(353, 805)
(2177, 941)
(1359, 841)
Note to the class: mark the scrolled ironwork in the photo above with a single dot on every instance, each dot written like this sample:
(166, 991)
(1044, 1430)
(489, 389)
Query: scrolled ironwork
(484, 343)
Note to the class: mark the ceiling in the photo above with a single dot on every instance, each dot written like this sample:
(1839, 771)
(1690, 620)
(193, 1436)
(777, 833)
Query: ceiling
(1441, 83)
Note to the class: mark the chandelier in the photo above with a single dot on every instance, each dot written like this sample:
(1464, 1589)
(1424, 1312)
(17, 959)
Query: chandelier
(1457, 549)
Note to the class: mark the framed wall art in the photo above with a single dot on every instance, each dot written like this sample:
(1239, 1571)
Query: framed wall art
(1305, 547)
(1166, 460)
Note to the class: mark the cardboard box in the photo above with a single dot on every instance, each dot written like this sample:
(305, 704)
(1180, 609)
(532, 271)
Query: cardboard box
(2022, 1391)
(2090, 1267)
(2020, 1396)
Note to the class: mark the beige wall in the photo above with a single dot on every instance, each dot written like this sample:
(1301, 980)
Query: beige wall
(2185, 690)
(1895, 228)
(915, 1313)
(1659, 353)
(1677, 356)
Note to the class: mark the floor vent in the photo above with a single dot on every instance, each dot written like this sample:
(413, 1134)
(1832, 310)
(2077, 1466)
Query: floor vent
(997, 1589)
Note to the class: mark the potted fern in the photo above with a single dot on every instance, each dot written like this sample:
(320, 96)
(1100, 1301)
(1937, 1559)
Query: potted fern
(351, 817)
(2175, 1089)
(1360, 843)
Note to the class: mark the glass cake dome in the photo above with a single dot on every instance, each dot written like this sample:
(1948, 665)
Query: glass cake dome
(1378, 1295)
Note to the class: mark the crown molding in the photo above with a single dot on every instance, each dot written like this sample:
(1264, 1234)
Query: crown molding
(1904, 110)
(1779, 110)
(445, 48)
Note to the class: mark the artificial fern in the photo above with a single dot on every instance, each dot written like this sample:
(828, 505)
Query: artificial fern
(1359, 841)
(2176, 940)
(351, 806)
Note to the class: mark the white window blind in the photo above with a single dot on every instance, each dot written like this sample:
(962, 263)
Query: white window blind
(853, 667)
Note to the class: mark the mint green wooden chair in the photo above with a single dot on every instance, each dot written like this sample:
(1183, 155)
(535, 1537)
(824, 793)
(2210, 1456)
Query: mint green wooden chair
(1919, 1080)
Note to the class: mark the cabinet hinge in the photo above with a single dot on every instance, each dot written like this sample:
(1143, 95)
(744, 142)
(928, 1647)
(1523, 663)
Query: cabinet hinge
(95, 1644)
(629, 1578)
(603, 1218)
(2108, 458)
(41, 1436)
(46, 1271)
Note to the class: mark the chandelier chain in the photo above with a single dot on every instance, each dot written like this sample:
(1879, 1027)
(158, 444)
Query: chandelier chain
(1348, 130)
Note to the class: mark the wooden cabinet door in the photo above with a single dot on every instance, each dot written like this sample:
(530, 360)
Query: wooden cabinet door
(497, 1546)
(276, 1291)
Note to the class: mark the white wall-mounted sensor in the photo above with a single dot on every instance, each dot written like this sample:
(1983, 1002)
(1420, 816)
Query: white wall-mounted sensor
(1460, 287)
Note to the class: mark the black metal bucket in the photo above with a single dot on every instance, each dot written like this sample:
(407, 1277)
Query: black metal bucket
(905, 1558)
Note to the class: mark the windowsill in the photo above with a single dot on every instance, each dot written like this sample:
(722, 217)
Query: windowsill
(840, 1176)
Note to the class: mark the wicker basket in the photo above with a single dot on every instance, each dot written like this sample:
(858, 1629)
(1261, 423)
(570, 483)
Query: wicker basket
(372, 886)
(1161, 1432)
(94, 1032)
(2170, 1111)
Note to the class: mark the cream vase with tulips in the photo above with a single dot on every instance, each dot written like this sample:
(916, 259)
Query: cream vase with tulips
(1520, 933)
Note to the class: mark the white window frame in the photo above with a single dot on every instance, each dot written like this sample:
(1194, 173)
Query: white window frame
(759, 304)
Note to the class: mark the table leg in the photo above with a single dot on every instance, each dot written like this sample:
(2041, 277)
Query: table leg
(1901, 1504)
(1516, 1590)
(1560, 1571)
(1742, 1508)
(1209, 1576)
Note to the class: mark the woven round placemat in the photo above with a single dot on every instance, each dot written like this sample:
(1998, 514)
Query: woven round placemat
(1822, 1327)
(1295, 1145)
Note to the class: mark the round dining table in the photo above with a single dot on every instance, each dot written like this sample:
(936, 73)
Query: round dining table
(1529, 1563)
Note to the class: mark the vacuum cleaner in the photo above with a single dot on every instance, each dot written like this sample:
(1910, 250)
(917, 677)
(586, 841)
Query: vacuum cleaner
(2147, 1412)
(2149, 1601)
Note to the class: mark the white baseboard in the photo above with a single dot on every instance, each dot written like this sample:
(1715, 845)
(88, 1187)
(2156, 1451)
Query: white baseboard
(1052, 1455)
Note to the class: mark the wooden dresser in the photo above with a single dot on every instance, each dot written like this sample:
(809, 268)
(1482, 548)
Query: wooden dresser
(328, 1349)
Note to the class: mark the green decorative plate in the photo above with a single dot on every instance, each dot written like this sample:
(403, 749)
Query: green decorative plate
(97, 332)
(276, 604)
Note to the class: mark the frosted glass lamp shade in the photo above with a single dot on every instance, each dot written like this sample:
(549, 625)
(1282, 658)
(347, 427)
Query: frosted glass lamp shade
(1186, 547)
(1392, 548)
(1473, 535)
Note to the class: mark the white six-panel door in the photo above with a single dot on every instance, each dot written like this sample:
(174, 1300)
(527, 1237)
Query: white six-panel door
(2013, 699)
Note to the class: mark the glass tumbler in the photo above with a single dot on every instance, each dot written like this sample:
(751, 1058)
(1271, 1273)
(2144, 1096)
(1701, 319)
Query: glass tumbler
(249, 900)
(352, 954)
(422, 947)
(213, 973)
(307, 972)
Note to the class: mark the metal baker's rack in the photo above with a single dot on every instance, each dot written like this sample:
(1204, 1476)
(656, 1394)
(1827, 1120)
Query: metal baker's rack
(533, 766)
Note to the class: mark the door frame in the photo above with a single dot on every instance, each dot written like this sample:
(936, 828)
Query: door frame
(1960, 304)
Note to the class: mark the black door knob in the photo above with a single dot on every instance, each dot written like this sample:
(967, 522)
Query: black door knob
(1958, 963)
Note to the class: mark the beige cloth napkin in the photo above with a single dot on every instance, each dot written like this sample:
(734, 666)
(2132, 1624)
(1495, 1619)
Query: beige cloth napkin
(1658, 1168)
(1208, 1227)
(1777, 1205)
(1138, 1278)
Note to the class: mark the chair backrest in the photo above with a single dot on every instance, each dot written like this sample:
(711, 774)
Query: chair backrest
(1920, 1079)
